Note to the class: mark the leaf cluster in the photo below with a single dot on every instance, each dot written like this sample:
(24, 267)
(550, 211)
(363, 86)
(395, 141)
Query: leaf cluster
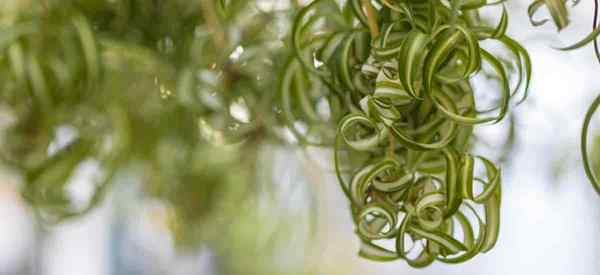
(397, 77)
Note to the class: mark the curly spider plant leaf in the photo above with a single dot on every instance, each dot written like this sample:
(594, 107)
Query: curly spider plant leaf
(402, 72)
(588, 165)
(44, 81)
(560, 14)
(556, 8)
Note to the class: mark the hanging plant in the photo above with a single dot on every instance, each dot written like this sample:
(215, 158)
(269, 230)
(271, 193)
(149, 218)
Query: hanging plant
(395, 77)
(147, 88)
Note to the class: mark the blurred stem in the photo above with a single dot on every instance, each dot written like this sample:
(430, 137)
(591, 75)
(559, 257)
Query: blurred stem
(45, 5)
(392, 147)
(212, 21)
(371, 17)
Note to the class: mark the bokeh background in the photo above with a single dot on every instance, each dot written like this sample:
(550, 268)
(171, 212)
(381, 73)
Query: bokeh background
(550, 214)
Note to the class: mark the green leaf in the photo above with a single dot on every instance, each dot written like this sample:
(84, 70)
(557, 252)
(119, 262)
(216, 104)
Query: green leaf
(587, 165)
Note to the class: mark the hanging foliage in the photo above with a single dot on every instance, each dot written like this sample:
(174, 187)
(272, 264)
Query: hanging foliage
(176, 94)
(388, 85)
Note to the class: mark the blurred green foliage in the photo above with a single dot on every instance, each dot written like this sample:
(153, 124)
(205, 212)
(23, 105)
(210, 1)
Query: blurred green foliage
(180, 92)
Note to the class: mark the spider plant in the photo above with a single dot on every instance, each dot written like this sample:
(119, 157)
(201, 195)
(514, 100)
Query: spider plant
(388, 85)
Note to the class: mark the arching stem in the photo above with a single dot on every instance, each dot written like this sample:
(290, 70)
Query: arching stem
(371, 17)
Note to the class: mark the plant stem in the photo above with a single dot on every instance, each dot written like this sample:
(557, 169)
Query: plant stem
(371, 17)
(212, 21)
(594, 26)
(392, 146)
